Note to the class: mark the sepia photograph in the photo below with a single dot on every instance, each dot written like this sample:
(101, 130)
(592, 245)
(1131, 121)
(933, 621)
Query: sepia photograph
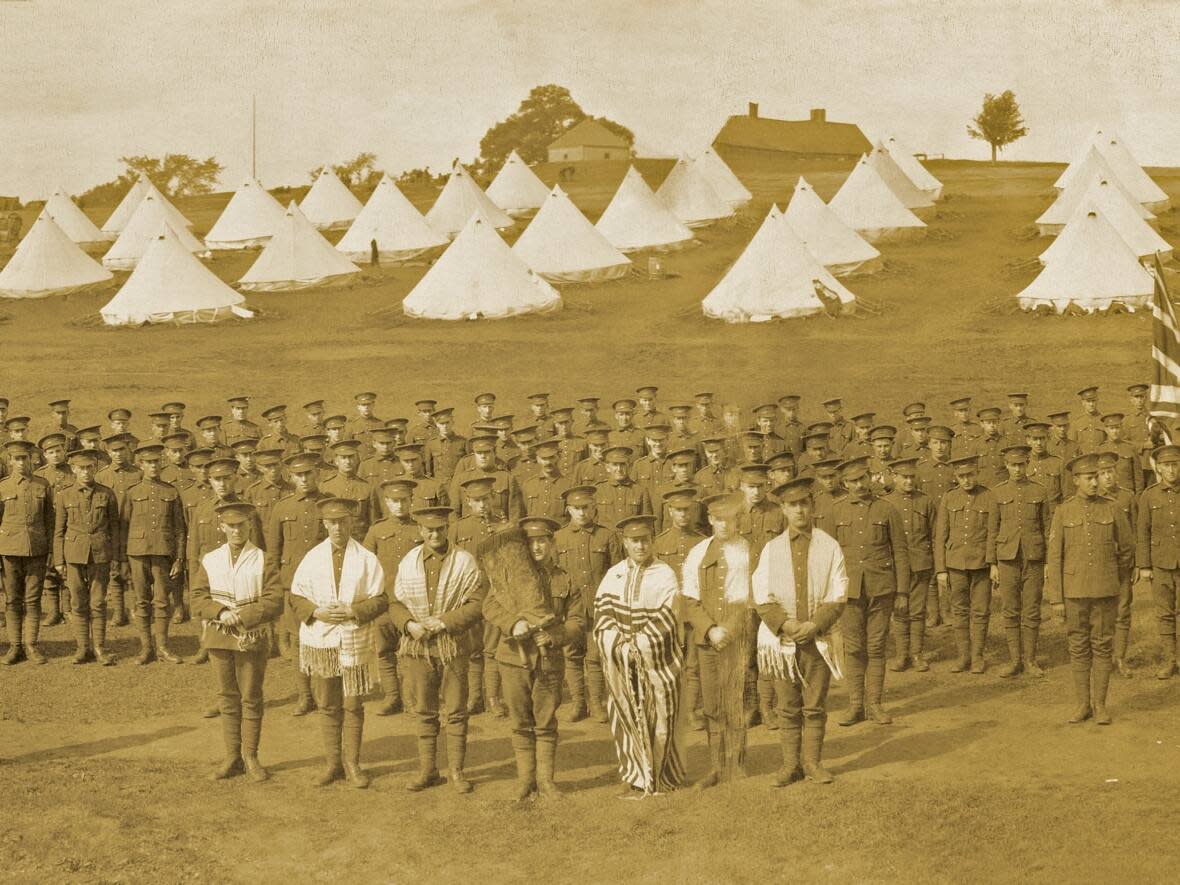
(661, 441)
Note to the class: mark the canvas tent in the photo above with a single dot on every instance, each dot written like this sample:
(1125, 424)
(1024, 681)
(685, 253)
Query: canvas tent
(564, 247)
(910, 195)
(329, 205)
(690, 197)
(297, 257)
(461, 198)
(74, 223)
(1104, 198)
(47, 262)
(634, 219)
(126, 209)
(728, 186)
(170, 285)
(479, 277)
(1098, 271)
(143, 227)
(1138, 184)
(401, 232)
(1094, 169)
(913, 168)
(775, 277)
(248, 220)
(516, 188)
(867, 205)
(837, 246)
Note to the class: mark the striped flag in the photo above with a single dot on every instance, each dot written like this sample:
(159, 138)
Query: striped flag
(1165, 350)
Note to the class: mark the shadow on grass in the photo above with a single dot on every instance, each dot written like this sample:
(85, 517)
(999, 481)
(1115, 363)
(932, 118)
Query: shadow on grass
(98, 747)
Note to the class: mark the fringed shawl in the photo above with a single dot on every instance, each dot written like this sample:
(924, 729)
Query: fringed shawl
(233, 584)
(458, 579)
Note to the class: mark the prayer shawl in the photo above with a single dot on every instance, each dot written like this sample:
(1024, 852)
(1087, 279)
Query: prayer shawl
(345, 650)
(458, 579)
(774, 581)
(234, 584)
(636, 628)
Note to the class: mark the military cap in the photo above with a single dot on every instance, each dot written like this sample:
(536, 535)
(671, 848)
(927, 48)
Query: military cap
(647, 390)
(159, 419)
(1107, 458)
(965, 464)
(825, 426)
(60, 405)
(94, 432)
(19, 423)
(538, 526)
(579, 496)
(1016, 454)
(200, 458)
(991, 413)
(686, 497)
(425, 405)
(562, 415)
(173, 408)
(752, 436)
(245, 445)
(657, 431)
(175, 441)
(780, 460)
(724, 505)
(524, 434)
(1088, 393)
(382, 435)
(336, 508)
(119, 415)
(1018, 397)
(313, 406)
(274, 413)
(854, 467)
(680, 410)
(482, 443)
(919, 422)
(149, 452)
(19, 447)
(1166, 454)
(398, 423)
(941, 431)
(116, 441)
(366, 398)
(485, 399)
(304, 462)
(51, 440)
(3, 402)
(617, 454)
(904, 466)
(487, 428)
(335, 422)
(314, 442)
(478, 486)
(636, 526)
(1036, 428)
(344, 447)
(235, 512)
(408, 452)
(1083, 464)
(444, 416)
(753, 471)
(587, 401)
(547, 447)
(83, 456)
(623, 405)
(882, 431)
(713, 443)
(398, 488)
(963, 402)
(793, 490)
(265, 457)
(503, 421)
(864, 419)
(1138, 388)
(815, 436)
(827, 467)
(209, 422)
(1114, 419)
(682, 456)
(432, 517)
(1059, 418)
(790, 399)
(223, 467)
(913, 409)
(241, 401)
(538, 397)
(598, 436)
(703, 397)
(731, 409)
(830, 403)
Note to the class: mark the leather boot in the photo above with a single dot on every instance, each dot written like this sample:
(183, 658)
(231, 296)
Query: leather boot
(978, 635)
(428, 775)
(596, 693)
(766, 707)
(575, 683)
(31, 629)
(50, 597)
(918, 645)
(330, 737)
(1099, 685)
(456, 755)
(855, 673)
(963, 647)
(901, 642)
(1168, 659)
(713, 778)
(547, 768)
(691, 700)
(147, 654)
(12, 626)
(1028, 642)
(391, 696)
(180, 616)
(160, 636)
(231, 733)
(1121, 641)
(98, 637)
(813, 744)
(494, 703)
(875, 692)
(115, 605)
(526, 768)
(1015, 665)
(1081, 691)
(792, 770)
(202, 656)
(305, 703)
(272, 636)
(353, 737)
(475, 704)
(933, 613)
(753, 714)
(81, 627)
(251, 737)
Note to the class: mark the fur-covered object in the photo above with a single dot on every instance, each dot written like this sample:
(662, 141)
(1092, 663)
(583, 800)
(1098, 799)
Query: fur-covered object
(513, 576)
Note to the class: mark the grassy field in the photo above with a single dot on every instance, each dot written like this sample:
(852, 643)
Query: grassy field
(978, 780)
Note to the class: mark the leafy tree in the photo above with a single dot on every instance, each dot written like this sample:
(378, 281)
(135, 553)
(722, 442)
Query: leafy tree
(176, 175)
(544, 114)
(361, 171)
(999, 123)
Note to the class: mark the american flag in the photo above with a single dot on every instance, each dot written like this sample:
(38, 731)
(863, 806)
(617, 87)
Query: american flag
(1165, 350)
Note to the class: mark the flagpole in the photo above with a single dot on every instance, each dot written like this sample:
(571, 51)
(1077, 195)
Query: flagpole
(254, 137)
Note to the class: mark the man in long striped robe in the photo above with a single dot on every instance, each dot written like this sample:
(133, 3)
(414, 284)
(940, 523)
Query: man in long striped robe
(636, 629)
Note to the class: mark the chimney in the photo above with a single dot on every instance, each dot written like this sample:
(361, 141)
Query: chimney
(819, 115)
(754, 109)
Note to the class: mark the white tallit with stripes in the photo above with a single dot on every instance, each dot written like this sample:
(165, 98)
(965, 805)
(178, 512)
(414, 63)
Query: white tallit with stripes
(232, 584)
(458, 580)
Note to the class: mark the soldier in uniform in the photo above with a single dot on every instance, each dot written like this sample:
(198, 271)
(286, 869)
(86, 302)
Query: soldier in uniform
(1128, 505)
(625, 433)
(760, 518)
(1017, 528)
(90, 438)
(918, 514)
(586, 416)
(1127, 465)
(1047, 469)
(788, 426)
(444, 450)
(358, 426)
(239, 426)
(1088, 429)
(26, 530)
(620, 496)
(764, 420)
(873, 540)
(861, 444)
(384, 463)
(681, 463)
(680, 535)
(245, 452)
(706, 423)
(59, 422)
(118, 476)
(1157, 551)
(152, 522)
(881, 438)
(400, 428)
(1062, 441)
(1141, 428)
(572, 448)
(335, 429)
(428, 491)
(652, 468)
(525, 465)
(826, 490)
(648, 413)
(988, 448)
(176, 449)
(485, 409)
(270, 487)
(840, 434)
(209, 436)
(54, 604)
(423, 429)
(749, 450)
(277, 436)
(681, 434)
(965, 429)
(160, 424)
(346, 484)
(313, 419)
(506, 490)
(543, 492)
(960, 561)
(539, 414)
(119, 424)
(711, 478)
(175, 412)
(917, 443)
(592, 469)
(86, 540)
(1090, 550)
(815, 448)
(192, 492)
(1012, 424)
(780, 469)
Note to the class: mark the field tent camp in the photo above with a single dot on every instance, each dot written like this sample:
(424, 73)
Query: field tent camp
(563, 246)
(728, 186)
(75, 223)
(248, 220)
(460, 199)
(47, 262)
(144, 226)
(904, 157)
(516, 188)
(1104, 198)
(867, 205)
(171, 285)
(479, 277)
(297, 257)
(1093, 171)
(124, 212)
(400, 231)
(837, 246)
(329, 205)
(1134, 179)
(776, 277)
(689, 196)
(635, 219)
(906, 190)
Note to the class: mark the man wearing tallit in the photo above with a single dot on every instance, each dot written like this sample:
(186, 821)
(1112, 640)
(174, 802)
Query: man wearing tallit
(336, 593)
(715, 586)
(636, 629)
(800, 587)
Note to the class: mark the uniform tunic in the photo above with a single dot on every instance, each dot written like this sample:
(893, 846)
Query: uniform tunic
(368, 508)
(1017, 528)
(623, 498)
(1158, 548)
(542, 496)
(26, 532)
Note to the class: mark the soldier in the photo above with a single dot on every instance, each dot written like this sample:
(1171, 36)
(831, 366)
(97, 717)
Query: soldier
(205, 525)
(1017, 528)
(826, 490)
(152, 522)
(964, 428)
(335, 429)
(648, 413)
(861, 444)
(485, 408)
(277, 436)
(525, 466)
(271, 487)
(59, 422)
(391, 539)
(530, 655)
(428, 491)
(840, 433)
(176, 449)
(780, 469)
(506, 491)
(384, 464)
(1088, 429)
(873, 540)
(118, 476)
(1141, 427)
(1062, 441)
(681, 463)
(789, 427)
(26, 530)
(760, 518)
(444, 451)
(89, 438)
(437, 600)
(86, 541)
(881, 438)
(1126, 467)
(192, 493)
(706, 423)
(358, 426)
(1047, 469)
(918, 514)
(507, 451)
(293, 529)
(1012, 425)
(815, 448)
(592, 469)
(175, 413)
(960, 561)
(209, 436)
(54, 605)
(750, 451)
(161, 423)
(620, 496)
(625, 433)
(1090, 550)
(423, 429)
(586, 416)
(312, 423)
(711, 478)
(346, 484)
(764, 420)
(1128, 505)
(572, 448)
(400, 428)
(732, 426)
(917, 442)
(988, 448)
(543, 492)
(672, 545)
(245, 452)
(119, 424)
(539, 414)
(1158, 550)
(239, 426)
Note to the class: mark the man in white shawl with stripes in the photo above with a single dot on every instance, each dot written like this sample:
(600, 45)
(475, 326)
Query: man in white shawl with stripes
(799, 588)
(336, 593)
(637, 630)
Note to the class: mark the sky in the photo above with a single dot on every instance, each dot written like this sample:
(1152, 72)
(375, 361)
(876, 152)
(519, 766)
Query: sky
(419, 82)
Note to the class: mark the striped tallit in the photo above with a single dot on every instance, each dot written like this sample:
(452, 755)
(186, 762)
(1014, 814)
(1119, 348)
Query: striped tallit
(458, 579)
(233, 584)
